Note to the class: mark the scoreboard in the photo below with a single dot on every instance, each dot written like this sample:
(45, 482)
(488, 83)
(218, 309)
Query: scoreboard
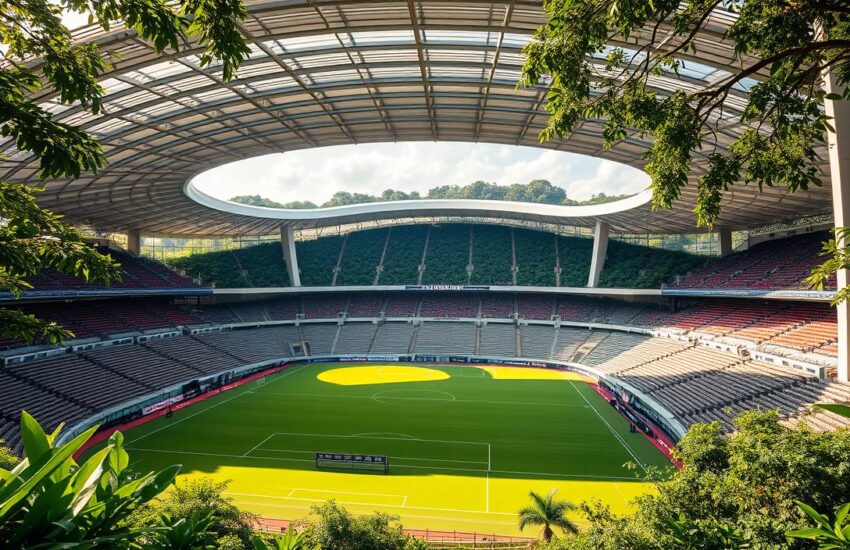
(353, 461)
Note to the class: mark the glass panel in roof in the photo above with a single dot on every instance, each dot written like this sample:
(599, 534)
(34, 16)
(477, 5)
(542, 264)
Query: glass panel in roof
(161, 109)
(111, 126)
(157, 71)
(113, 85)
(334, 76)
(302, 43)
(272, 84)
(54, 107)
(380, 37)
(513, 40)
(465, 37)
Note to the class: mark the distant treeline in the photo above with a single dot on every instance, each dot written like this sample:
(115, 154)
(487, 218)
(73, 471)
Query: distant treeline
(537, 191)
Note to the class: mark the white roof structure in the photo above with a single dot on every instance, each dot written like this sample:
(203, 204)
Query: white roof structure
(331, 72)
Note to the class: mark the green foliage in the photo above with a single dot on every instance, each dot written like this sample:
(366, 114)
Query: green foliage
(575, 255)
(31, 240)
(49, 500)
(257, 200)
(261, 265)
(404, 254)
(332, 527)
(38, 51)
(536, 191)
(448, 255)
(548, 513)
(837, 408)
(635, 266)
(783, 114)
(291, 540)
(830, 534)
(360, 259)
(535, 257)
(740, 487)
(837, 254)
(491, 255)
(198, 508)
(8, 458)
(317, 259)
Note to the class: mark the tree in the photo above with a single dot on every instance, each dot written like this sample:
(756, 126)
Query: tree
(199, 502)
(548, 513)
(733, 488)
(332, 527)
(788, 45)
(50, 501)
(38, 51)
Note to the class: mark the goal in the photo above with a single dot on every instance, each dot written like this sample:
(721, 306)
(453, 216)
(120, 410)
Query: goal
(375, 463)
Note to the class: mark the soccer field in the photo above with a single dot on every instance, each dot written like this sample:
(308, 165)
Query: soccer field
(466, 444)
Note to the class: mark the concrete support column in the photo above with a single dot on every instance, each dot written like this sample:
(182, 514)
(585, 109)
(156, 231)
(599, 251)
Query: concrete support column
(287, 242)
(839, 163)
(134, 242)
(724, 238)
(600, 249)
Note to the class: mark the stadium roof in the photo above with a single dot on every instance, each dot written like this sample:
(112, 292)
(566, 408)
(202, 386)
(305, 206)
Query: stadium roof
(331, 72)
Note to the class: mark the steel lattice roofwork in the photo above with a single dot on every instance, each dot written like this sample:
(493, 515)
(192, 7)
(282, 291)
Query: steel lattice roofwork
(333, 72)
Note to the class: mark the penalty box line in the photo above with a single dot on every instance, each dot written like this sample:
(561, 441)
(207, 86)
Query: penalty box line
(489, 461)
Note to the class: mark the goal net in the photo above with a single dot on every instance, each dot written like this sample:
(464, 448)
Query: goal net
(377, 463)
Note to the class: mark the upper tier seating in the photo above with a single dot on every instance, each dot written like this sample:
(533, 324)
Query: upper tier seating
(401, 305)
(325, 306)
(361, 257)
(497, 306)
(136, 273)
(492, 255)
(535, 307)
(365, 305)
(777, 264)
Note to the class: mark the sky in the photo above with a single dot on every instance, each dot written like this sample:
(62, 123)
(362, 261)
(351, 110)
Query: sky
(316, 174)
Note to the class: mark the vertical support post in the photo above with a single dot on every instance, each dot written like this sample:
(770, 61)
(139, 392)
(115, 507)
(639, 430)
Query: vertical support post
(839, 164)
(724, 238)
(600, 249)
(134, 242)
(287, 242)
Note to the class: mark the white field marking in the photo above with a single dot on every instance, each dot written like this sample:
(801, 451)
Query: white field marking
(394, 457)
(403, 498)
(387, 438)
(507, 472)
(240, 394)
(483, 401)
(378, 395)
(613, 432)
(406, 436)
(458, 510)
(255, 447)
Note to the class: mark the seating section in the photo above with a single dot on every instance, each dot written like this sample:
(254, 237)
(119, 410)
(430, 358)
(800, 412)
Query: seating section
(497, 306)
(365, 305)
(136, 274)
(404, 255)
(636, 266)
(317, 260)
(447, 256)
(260, 265)
(441, 337)
(401, 305)
(498, 339)
(535, 306)
(361, 256)
(492, 255)
(325, 306)
(778, 264)
(452, 306)
(535, 258)
(574, 255)
(321, 338)
(393, 338)
(695, 382)
(355, 338)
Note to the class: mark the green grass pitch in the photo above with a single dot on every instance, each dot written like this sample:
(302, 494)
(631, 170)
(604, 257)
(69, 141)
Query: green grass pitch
(466, 444)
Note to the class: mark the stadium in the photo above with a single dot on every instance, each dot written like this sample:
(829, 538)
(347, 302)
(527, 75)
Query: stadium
(435, 359)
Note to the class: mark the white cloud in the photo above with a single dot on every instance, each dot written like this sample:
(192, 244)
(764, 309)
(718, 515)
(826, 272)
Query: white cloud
(316, 174)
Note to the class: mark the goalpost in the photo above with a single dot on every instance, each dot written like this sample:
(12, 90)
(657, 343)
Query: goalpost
(378, 463)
